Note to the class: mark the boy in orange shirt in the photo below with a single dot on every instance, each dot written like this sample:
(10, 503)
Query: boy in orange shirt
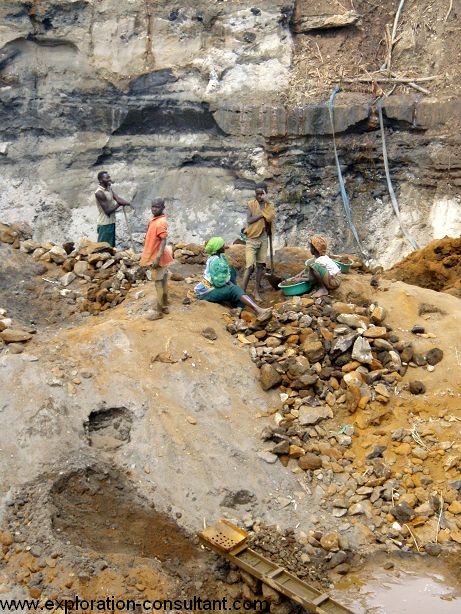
(157, 255)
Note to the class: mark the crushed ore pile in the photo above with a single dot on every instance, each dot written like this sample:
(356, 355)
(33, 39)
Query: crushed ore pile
(94, 276)
(310, 557)
(327, 354)
(335, 363)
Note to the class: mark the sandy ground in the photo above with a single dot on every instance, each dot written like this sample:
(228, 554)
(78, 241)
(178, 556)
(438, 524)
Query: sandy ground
(180, 436)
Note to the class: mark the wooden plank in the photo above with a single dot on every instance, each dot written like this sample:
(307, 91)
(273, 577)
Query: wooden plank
(277, 577)
(286, 583)
(321, 599)
(276, 572)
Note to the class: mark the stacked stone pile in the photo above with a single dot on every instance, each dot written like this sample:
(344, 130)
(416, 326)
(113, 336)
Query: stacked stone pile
(100, 275)
(333, 359)
(329, 354)
(189, 253)
(95, 275)
(12, 335)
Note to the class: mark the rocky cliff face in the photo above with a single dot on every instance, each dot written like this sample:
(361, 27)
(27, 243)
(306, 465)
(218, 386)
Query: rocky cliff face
(193, 101)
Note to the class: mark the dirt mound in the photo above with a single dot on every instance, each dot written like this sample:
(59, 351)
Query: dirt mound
(26, 293)
(436, 266)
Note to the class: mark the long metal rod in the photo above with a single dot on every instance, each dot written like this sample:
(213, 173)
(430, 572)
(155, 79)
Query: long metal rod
(128, 226)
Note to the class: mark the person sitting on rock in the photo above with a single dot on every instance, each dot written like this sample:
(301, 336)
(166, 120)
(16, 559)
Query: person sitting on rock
(322, 268)
(218, 284)
(157, 255)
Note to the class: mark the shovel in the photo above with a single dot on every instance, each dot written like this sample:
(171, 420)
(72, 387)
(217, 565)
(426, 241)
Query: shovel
(272, 278)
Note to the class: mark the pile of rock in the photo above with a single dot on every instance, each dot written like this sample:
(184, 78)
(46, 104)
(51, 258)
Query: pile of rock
(11, 335)
(328, 356)
(95, 275)
(189, 253)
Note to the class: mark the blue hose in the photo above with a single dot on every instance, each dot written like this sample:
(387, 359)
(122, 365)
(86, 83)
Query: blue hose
(395, 204)
(342, 187)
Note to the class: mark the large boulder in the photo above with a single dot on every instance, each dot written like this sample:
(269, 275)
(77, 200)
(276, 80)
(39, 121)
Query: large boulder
(13, 335)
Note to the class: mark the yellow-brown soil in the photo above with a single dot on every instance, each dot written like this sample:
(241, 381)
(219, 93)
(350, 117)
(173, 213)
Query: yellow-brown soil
(436, 266)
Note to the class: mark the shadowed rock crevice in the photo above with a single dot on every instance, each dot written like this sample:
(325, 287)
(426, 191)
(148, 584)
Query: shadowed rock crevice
(169, 116)
(145, 83)
(109, 428)
(25, 45)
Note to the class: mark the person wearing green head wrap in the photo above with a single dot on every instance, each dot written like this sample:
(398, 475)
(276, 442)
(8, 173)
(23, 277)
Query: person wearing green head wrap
(218, 284)
(214, 245)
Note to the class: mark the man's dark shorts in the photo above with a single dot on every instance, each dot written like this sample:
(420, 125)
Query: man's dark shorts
(106, 234)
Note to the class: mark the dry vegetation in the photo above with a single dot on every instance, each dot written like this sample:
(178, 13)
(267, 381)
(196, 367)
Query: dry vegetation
(425, 44)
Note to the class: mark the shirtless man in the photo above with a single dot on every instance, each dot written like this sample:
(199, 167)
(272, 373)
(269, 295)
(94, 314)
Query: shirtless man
(107, 202)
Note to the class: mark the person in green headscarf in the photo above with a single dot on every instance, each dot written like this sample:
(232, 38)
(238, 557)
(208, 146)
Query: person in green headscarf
(218, 283)
(214, 245)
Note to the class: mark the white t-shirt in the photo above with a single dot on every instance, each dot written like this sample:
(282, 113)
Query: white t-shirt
(329, 264)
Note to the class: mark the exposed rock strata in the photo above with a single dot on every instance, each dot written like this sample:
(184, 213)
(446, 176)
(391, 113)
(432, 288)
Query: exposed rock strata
(184, 100)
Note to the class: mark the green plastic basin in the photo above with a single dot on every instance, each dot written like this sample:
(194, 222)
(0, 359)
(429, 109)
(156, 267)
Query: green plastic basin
(295, 289)
(343, 266)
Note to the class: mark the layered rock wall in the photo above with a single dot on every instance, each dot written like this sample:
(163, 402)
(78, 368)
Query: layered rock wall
(188, 100)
